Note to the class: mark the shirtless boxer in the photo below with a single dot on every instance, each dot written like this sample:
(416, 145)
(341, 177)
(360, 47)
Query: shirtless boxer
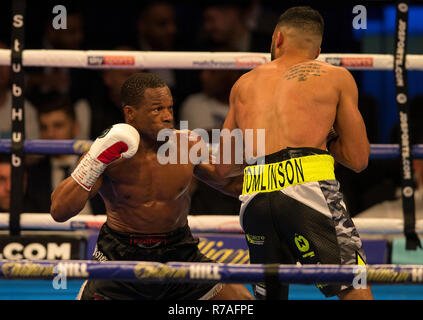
(147, 203)
(292, 209)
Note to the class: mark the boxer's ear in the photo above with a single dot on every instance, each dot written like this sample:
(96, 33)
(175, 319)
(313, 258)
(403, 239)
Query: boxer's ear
(279, 39)
(129, 113)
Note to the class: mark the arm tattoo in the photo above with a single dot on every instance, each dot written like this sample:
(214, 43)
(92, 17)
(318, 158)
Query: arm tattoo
(303, 71)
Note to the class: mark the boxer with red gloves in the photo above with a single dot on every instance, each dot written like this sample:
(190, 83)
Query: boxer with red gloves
(147, 202)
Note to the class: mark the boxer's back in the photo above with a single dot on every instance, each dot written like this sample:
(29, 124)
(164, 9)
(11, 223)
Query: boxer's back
(296, 104)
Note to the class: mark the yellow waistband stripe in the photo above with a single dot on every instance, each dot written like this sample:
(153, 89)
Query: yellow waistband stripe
(280, 175)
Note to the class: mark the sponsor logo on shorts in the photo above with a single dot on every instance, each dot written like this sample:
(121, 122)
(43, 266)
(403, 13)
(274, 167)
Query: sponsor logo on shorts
(303, 246)
(253, 239)
(147, 242)
(98, 255)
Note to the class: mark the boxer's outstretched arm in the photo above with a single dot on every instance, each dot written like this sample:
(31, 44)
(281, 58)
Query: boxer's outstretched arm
(206, 171)
(69, 198)
(351, 148)
(230, 186)
(223, 168)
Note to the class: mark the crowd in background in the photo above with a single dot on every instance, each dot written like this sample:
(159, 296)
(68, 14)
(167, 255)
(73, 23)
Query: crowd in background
(71, 103)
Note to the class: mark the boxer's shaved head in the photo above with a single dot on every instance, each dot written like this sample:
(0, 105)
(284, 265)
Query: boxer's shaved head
(302, 27)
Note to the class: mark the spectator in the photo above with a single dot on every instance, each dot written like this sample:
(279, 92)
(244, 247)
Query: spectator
(157, 30)
(57, 122)
(5, 182)
(74, 82)
(226, 29)
(207, 110)
(31, 124)
(5, 186)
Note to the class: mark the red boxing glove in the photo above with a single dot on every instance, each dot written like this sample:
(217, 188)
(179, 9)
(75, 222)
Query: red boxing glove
(121, 140)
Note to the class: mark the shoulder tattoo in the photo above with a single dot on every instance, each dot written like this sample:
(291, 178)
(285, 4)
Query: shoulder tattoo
(304, 71)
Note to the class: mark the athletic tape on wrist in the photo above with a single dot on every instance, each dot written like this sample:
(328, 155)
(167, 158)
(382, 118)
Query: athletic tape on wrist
(88, 171)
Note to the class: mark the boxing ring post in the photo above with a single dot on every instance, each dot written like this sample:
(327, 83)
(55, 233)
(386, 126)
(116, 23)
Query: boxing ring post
(18, 115)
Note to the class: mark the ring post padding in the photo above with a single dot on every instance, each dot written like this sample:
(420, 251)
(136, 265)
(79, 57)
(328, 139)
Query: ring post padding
(17, 116)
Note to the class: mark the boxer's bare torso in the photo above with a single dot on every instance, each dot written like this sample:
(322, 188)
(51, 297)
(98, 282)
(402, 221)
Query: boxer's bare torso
(297, 101)
(141, 195)
(296, 104)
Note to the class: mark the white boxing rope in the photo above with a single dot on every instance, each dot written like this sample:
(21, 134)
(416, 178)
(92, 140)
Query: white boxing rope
(197, 223)
(191, 60)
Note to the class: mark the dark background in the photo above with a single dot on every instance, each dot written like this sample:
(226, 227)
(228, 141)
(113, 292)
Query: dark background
(110, 24)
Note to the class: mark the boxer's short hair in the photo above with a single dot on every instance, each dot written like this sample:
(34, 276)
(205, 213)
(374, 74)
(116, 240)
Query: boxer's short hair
(132, 91)
(304, 18)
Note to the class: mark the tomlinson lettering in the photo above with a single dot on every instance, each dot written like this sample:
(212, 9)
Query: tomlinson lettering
(277, 176)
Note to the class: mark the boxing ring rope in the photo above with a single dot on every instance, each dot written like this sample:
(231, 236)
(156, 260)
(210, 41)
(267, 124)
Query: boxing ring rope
(191, 60)
(197, 223)
(208, 272)
(40, 146)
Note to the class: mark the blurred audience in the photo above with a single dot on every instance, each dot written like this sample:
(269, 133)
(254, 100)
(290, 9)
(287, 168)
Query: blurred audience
(157, 30)
(57, 122)
(75, 82)
(6, 185)
(207, 110)
(227, 28)
(103, 108)
(30, 113)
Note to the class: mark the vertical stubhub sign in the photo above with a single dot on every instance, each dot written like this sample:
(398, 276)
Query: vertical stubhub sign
(18, 127)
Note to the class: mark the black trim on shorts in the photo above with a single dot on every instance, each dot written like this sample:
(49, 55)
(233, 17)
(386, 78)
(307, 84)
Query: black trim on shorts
(180, 245)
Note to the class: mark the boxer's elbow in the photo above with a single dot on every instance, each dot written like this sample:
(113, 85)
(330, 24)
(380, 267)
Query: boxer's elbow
(61, 210)
(359, 165)
(360, 160)
(58, 212)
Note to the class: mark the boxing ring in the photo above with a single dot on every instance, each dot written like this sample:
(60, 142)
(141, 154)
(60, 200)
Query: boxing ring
(27, 268)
